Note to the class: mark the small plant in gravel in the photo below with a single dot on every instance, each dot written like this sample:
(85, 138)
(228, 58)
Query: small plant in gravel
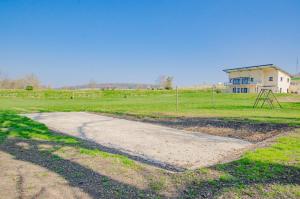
(157, 185)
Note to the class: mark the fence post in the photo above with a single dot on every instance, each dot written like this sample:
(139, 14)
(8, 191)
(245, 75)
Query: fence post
(213, 96)
(176, 98)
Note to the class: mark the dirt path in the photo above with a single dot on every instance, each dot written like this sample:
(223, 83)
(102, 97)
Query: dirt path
(22, 179)
(240, 129)
(168, 147)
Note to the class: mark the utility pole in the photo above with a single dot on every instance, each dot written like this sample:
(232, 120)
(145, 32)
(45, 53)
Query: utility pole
(297, 67)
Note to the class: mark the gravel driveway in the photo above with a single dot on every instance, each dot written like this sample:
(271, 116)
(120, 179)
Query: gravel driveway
(153, 143)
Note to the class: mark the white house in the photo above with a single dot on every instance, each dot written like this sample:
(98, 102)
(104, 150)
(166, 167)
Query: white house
(252, 79)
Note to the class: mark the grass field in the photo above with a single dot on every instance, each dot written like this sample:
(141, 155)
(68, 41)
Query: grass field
(152, 103)
(269, 172)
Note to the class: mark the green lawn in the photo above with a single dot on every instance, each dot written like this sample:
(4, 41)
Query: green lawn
(192, 103)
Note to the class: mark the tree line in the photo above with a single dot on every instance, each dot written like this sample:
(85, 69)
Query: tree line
(28, 82)
(31, 81)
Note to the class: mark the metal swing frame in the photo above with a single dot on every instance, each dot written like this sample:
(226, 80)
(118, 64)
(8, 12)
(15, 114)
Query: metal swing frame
(266, 96)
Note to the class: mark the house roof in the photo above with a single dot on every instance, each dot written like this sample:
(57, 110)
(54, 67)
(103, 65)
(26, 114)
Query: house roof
(256, 67)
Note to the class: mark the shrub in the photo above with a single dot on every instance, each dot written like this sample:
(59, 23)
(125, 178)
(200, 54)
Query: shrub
(218, 91)
(29, 88)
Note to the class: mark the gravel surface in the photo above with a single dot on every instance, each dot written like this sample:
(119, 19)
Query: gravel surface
(153, 143)
(253, 132)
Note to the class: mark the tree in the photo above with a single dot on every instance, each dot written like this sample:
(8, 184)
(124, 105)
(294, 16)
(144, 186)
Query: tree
(165, 82)
(29, 88)
(92, 84)
(169, 83)
(32, 80)
(22, 83)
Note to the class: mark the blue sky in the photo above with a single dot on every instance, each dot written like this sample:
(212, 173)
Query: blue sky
(67, 42)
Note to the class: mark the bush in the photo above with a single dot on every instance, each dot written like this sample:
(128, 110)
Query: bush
(218, 91)
(29, 88)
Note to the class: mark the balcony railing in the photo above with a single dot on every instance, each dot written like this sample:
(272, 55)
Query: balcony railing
(243, 83)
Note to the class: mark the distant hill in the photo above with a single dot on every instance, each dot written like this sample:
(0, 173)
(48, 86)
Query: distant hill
(113, 86)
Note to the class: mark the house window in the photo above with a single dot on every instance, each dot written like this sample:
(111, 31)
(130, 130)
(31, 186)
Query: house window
(244, 90)
(238, 90)
(234, 90)
(270, 79)
(236, 81)
(245, 80)
(251, 79)
(281, 79)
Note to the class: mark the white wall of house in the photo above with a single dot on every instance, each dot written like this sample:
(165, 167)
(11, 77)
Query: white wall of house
(284, 82)
(269, 74)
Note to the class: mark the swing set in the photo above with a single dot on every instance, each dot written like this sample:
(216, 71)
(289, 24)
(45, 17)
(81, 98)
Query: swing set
(266, 96)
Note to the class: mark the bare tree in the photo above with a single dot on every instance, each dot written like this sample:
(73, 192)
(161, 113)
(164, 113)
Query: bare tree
(92, 84)
(31, 80)
(165, 82)
(28, 80)
(169, 83)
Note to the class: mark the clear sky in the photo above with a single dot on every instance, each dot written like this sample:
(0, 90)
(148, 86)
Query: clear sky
(67, 42)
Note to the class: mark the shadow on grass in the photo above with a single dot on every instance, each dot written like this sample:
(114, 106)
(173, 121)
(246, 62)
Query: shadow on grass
(239, 175)
(16, 129)
(252, 169)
